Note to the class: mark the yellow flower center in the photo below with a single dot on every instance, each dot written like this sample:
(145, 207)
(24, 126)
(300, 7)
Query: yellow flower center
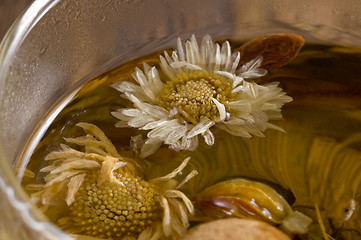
(191, 95)
(114, 208)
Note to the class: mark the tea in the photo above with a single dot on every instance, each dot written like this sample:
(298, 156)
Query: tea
(314, 164)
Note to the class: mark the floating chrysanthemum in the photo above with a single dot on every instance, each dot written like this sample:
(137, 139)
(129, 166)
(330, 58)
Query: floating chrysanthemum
(196, 89)
(100, 193)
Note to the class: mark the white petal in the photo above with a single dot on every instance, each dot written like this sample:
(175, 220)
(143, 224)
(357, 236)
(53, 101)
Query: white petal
(251, 89)
(191, 53)
(154, 124)
(192, 143)
(168, 58)
(150, 146)
(129, 87)
(260, 115)
(61, 177)
(254, 73)
(73, 187)
(226, 56)
(201, 127)
(208, 137)
(119, 165)
(174, 58)
(140, 121)
(268, 106)
(144, 83)
(236, 56)
(153, 110)
(207, 51)
(139, 77)
(195, 49)
(78, 164)
(275, 127)
(161, 132)
(240, 105)
(189, 144)
(185, 65)
(166, 68)
(166, 222)
(236, 121)
(179, 194)
(156, 83)
(236, 81)
(173, 112)
(240, 88)
(126, 86)
(180, 49)
(217, 58)
(176, 134)
(254, 63)
(226, 74)
(118, 114)
(172, 174)
(146, 67)
(130, 112)
(221, 109)
(235, 130)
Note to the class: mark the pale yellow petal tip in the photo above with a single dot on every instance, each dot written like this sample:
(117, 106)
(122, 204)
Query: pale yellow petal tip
(297, 223)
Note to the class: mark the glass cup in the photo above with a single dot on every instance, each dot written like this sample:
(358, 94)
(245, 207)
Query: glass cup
(55, 45)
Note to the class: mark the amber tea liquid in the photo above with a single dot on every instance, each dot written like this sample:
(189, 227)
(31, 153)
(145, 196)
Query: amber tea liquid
(317, 160)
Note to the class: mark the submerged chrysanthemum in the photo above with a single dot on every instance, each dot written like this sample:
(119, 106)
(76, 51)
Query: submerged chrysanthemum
(195, 89)
(101, 194)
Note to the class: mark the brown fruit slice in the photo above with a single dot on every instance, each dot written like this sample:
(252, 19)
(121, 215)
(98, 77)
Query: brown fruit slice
(277, 50)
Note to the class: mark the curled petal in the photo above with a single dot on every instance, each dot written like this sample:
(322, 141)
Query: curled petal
(73, 187)
(208, 137)
(201, 127)
(176, 134)
(221, 109)
(150, 146)
(226, 56)
(79, 164)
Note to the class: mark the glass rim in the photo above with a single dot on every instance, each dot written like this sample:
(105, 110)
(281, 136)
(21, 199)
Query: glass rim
(15, 195)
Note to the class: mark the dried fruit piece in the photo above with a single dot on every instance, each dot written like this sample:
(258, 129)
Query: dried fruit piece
(235, 229)
(277, 50)
(253, 200)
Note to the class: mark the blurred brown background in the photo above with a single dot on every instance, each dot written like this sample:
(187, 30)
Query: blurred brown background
(9, 11)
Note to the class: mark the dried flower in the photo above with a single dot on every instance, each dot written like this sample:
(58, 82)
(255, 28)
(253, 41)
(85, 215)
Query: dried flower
(196, 89)
(101, 194)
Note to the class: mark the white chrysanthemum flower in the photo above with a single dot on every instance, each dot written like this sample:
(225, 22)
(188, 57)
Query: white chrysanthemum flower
(98, 193)
(199, 87)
